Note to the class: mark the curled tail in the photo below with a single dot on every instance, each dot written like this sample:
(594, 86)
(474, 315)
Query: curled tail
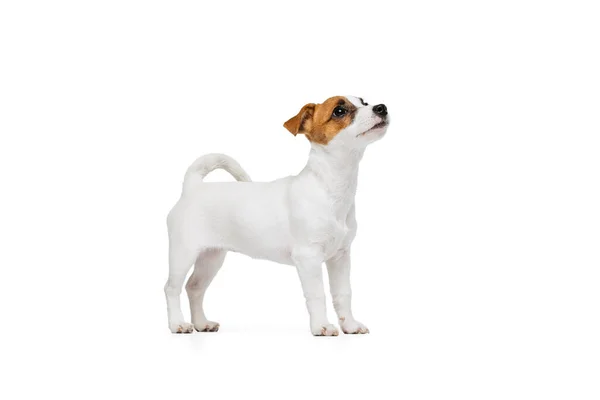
(209, 162)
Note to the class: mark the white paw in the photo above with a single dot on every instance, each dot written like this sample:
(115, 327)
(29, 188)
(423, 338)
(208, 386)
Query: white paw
(353, 327)
(324, 330)
(207, 326)
(182, 327)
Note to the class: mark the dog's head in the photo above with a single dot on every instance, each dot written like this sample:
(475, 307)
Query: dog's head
(344, 119)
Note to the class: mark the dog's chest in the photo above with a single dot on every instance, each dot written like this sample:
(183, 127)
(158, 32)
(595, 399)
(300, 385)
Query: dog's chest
(337, 240)
(320, 213)
(332, 230)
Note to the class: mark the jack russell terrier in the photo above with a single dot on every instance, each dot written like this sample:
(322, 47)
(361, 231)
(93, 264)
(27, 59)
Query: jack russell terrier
(301, 220)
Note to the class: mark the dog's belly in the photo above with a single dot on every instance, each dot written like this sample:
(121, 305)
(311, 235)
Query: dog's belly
(278, 255)
(273, 243)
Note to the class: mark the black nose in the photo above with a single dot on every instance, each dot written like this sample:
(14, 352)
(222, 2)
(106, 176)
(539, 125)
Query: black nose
(380, 109)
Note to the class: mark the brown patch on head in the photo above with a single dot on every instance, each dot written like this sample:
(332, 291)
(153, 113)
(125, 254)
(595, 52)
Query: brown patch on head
(318, 122)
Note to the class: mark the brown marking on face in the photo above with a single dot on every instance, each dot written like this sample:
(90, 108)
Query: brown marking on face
(317, 121)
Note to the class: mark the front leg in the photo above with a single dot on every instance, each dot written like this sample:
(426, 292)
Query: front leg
(309, 265)
(338, 268)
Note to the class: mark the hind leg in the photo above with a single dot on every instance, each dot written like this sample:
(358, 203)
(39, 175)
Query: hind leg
(207, 265)
(180, 262)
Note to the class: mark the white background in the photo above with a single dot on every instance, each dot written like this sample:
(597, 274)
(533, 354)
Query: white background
(476, 265)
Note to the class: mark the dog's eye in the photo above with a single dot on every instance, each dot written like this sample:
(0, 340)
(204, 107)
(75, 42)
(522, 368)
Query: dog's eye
(339, 112)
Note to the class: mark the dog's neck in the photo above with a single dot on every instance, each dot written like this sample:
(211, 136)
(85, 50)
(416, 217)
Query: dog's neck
(336, 167)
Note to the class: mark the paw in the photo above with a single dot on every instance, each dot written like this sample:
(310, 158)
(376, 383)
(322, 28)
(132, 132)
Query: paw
(182, 327)
(324, 330)
(353, 327)
(207, 326)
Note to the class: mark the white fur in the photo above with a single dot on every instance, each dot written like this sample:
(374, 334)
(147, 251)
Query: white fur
(301, 220)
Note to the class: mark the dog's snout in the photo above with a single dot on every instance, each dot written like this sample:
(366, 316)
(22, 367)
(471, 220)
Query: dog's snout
(380, 109)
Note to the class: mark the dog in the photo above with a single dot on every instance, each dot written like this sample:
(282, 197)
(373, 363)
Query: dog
(301, 220)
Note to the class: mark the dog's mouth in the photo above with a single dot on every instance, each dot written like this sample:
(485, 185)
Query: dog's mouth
(378, 125)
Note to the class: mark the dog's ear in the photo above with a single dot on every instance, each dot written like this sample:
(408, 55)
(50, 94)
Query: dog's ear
(302, 122)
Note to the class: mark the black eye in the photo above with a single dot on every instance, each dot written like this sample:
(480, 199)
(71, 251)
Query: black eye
(339, 112)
